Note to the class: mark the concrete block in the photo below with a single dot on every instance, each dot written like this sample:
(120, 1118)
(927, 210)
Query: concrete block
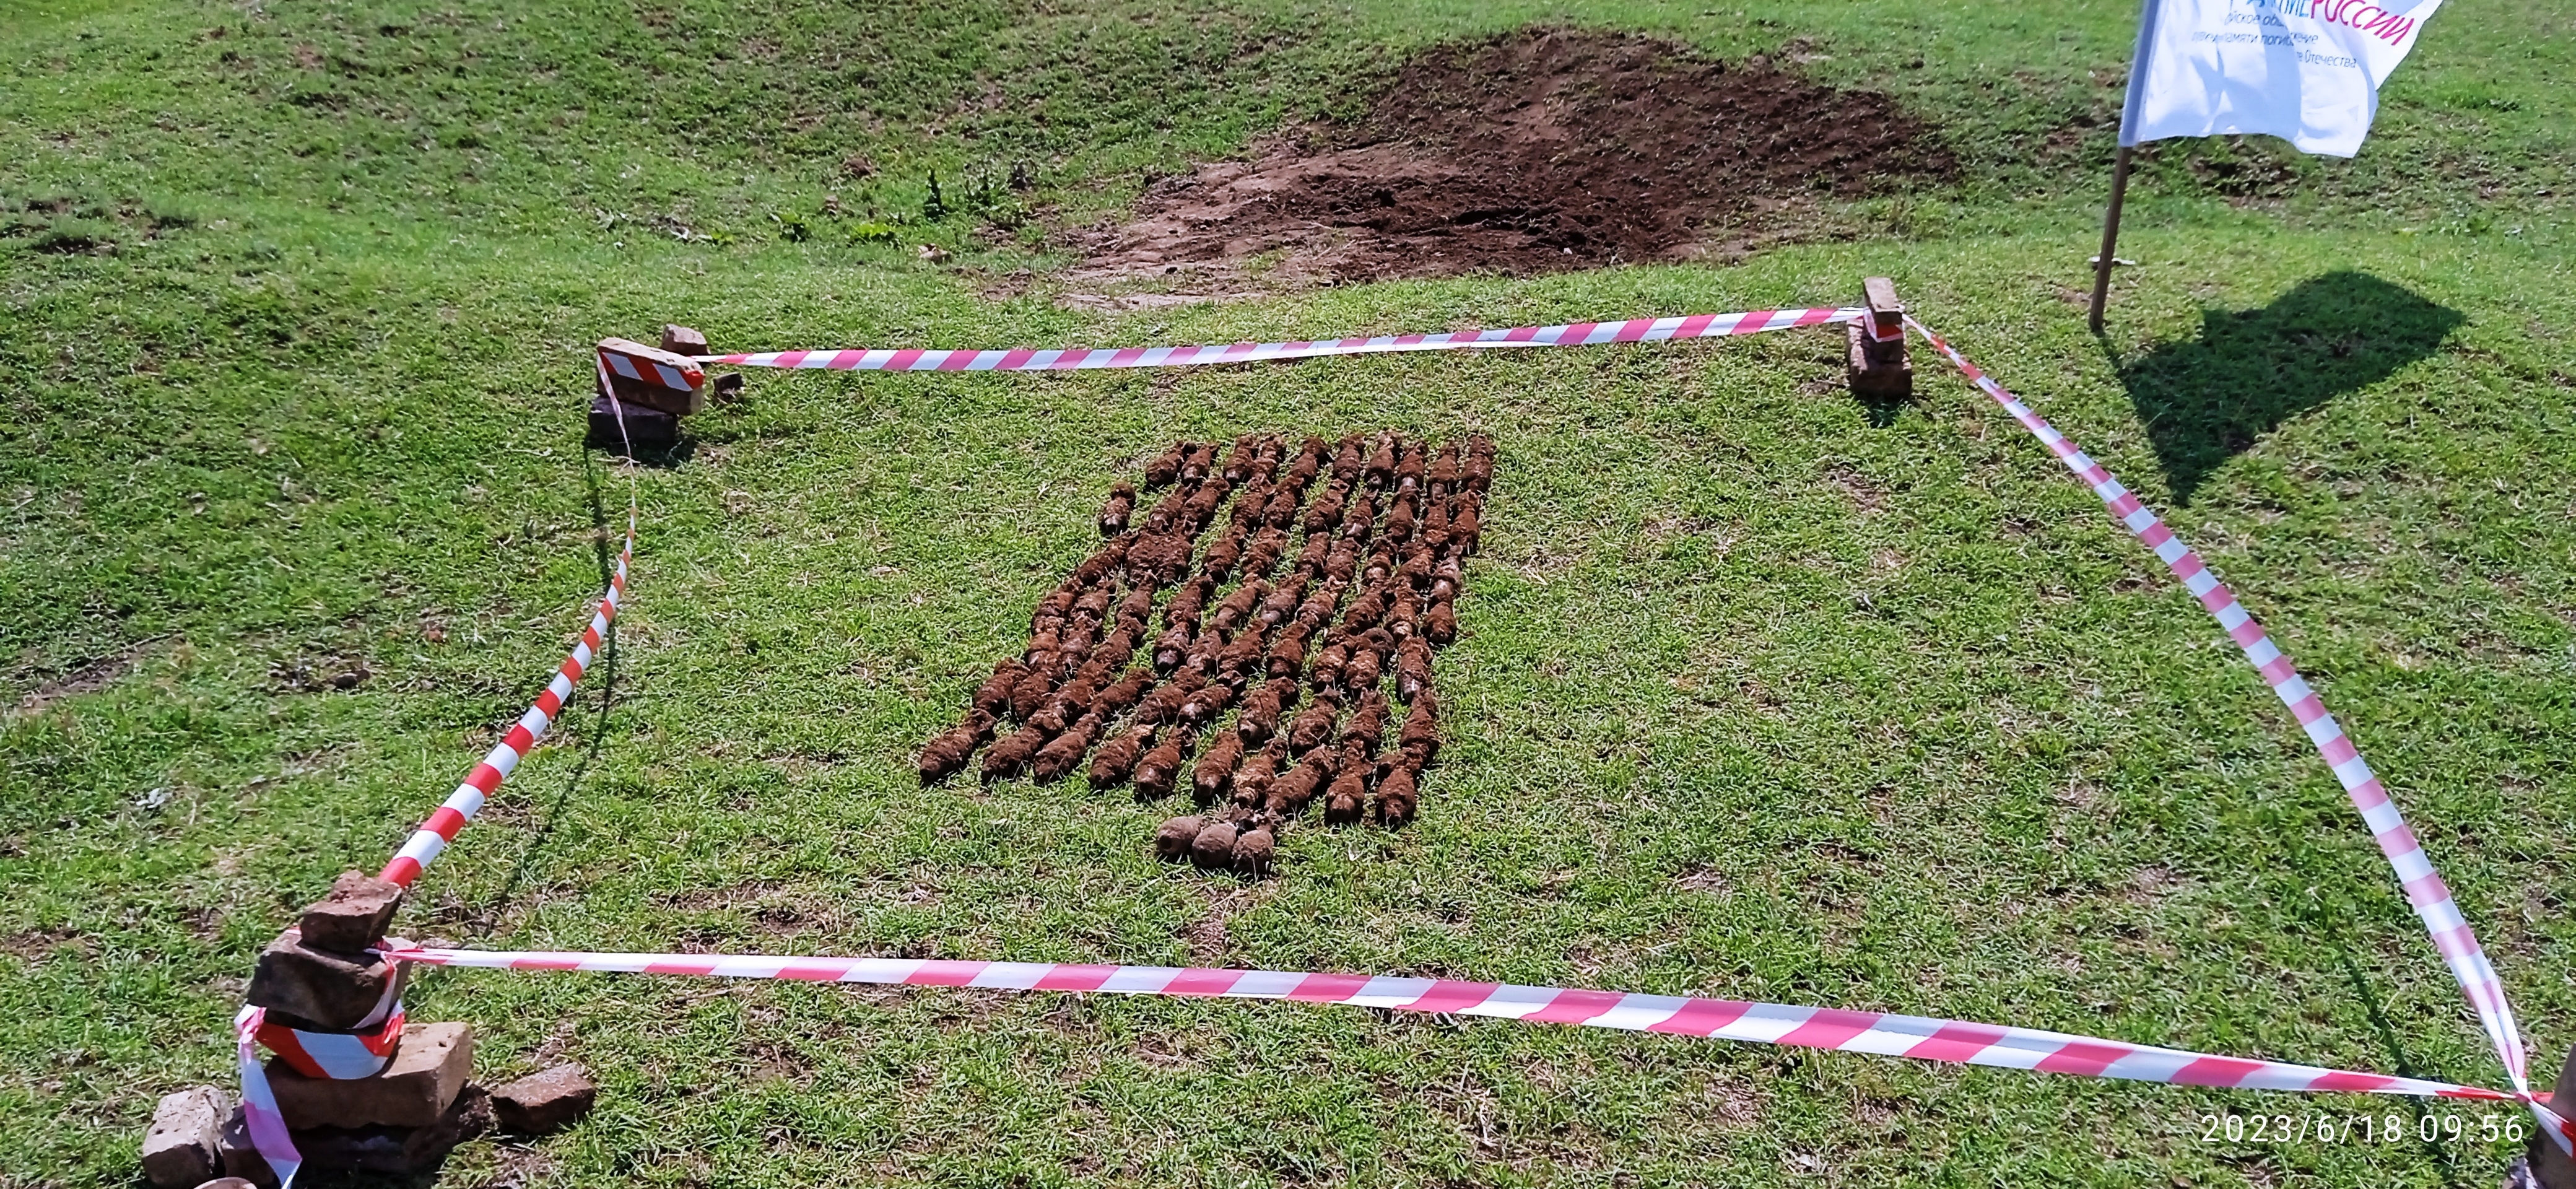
(545, 1101)
(332, 992)
(429, 1068)
(181, 1149)
(352, 919)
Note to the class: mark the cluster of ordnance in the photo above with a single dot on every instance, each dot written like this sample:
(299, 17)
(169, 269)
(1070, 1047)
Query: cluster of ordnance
(1256, 678)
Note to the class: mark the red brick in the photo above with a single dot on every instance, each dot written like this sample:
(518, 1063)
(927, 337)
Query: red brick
(545, 1101)
(180, 1150)
(322, 989)
(353, 917)
(429, 1068)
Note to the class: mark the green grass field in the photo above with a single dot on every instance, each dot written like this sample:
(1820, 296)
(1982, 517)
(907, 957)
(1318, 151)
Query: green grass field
(1764, 693)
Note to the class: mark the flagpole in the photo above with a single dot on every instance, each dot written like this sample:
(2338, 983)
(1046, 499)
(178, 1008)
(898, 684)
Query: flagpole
(2120, 165)
(2110, 238)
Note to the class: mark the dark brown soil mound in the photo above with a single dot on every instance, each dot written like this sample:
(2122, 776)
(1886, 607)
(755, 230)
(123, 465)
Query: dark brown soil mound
(1540, 150)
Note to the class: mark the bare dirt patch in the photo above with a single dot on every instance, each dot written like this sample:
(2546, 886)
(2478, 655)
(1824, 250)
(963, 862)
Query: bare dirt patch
(86, 678)
(1541, 150)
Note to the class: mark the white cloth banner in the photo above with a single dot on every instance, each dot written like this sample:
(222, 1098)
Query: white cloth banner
(2307, 71)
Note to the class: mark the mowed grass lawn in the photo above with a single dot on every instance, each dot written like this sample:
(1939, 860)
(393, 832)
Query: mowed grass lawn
(1763, 693)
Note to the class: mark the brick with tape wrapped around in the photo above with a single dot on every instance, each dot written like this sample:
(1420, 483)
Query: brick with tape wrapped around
(428, 1069)
(653, 377)
(328, 991)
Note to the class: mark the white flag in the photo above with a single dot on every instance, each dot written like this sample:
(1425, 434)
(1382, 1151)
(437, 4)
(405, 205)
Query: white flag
(2307, 71)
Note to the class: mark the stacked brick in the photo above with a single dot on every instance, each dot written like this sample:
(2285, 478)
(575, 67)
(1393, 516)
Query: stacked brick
(327, 976)
(651, 412)
(1290, 640)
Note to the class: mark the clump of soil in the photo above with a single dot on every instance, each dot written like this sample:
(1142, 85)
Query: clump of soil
(1540, 150)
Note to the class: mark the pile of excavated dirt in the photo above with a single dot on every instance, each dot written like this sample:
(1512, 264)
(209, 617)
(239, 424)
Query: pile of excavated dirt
(1541, 150)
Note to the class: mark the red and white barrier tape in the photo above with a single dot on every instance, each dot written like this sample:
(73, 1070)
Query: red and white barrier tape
(333, 1055)
(1023, 359)
(652, 371)
(1722, 1019)
(338, 1056)
(2424, 889)
(341, 1056)
(260, 1116)
(440, 829)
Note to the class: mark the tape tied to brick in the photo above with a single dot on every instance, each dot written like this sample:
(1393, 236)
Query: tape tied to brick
(1026, 359)
(339, 1056)
(1879, 1033)
(265, 1124)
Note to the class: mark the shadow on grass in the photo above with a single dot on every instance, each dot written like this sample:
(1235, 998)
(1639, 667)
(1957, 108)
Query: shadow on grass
(603, 530)
(1882, 411)
(2208, 400)
(2332, 919)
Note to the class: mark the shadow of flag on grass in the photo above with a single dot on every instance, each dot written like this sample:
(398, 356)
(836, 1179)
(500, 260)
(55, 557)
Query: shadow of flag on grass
(2208, 400)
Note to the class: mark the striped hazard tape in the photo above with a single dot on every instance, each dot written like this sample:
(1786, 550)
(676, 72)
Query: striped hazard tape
(650, 365)
(260, 1116)
(440, 828)
(1023, 359)
(342, 1056)
(339, 1056)
(2424, 889)
(332, 1055)
(1676, 1015)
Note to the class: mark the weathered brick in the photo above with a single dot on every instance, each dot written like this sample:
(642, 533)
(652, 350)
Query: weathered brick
(353, 917)
(544, 1101)
(240, 1159)
(653, 395)
(398, 1150)
(647, 429)
(429, 1067)
(684, 340)
(1891, 379)
(320, 988)
(181, 1148)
